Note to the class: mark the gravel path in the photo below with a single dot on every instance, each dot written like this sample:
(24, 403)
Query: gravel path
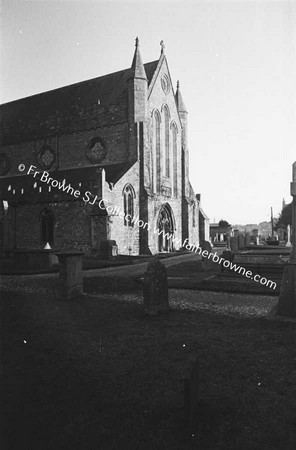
(218, 302)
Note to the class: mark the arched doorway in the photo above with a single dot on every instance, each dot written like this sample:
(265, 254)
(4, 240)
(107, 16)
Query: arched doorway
(166, 228)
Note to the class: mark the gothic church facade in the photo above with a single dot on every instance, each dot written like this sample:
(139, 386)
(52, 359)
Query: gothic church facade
(120, 140)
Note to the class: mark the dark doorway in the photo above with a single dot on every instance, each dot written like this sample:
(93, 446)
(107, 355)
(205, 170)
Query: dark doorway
(166, 228)
(47, 226)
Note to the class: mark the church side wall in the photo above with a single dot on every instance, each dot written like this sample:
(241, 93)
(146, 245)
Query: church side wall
(70, 149)
(71, 229)
(126, 237)
(72, 218)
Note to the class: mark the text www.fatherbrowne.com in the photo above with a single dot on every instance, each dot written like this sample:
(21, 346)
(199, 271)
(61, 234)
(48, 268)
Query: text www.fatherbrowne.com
(232, 266)
(89, 198)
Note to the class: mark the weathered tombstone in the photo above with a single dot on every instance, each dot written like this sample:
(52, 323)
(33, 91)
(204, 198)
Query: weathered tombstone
(241, 241)
(287, 299)
(228, 256)
(234, 243)
(248, 239)
(70, 275)
(206, 263)
(191, 393)
(155, 288)
(288, 243)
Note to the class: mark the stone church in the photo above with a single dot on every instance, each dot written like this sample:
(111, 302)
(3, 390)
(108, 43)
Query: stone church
(120, 140)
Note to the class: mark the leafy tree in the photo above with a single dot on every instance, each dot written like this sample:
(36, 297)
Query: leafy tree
(285, 217)
(224, 224)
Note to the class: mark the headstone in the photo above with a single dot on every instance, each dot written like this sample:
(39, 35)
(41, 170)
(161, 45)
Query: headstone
(234, 243)
(248, 239)
(155, 288)
(206, 245)
(228, 255)
(241, 241)
(257, 240)
(288, 244)
(70, 275)
(206, 263)
(191, 393)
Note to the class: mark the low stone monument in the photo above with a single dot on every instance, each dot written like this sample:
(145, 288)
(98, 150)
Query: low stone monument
(287, 300)
(70, 275)
(155, 288)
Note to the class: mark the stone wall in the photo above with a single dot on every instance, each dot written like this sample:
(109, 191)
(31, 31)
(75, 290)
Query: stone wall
(70, 149)
(68, 233)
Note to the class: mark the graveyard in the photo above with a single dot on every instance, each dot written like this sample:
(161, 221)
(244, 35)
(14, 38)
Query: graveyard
(150, 355)
(97, 372)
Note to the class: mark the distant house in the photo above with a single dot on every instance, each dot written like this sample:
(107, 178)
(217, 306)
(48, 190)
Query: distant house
(218, 233)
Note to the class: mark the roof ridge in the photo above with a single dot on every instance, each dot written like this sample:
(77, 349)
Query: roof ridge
(76, 84)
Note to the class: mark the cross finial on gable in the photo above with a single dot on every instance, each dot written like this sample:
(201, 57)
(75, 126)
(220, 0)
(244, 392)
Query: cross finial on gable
(162, 46)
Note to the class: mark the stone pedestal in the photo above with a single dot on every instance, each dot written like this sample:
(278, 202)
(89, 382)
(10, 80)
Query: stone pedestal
(70, 275)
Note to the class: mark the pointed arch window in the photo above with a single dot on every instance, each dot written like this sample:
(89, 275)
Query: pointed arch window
(175, 155)
(167, 140)
(47, 226)
(156, 150)
(128, 204)
(193, 215)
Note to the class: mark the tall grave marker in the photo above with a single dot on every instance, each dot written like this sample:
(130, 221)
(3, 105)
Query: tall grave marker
(287, 300)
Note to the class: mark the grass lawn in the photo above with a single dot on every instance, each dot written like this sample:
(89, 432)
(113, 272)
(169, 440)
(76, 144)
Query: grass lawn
(95, 373)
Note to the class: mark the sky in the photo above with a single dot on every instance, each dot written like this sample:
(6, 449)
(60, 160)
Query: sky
(236, 62)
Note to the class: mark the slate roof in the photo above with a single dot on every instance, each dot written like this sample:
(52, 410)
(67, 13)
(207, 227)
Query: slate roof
(66, 102)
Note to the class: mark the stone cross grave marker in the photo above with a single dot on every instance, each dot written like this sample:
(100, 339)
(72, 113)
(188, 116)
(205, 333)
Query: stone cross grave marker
(288, 243)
